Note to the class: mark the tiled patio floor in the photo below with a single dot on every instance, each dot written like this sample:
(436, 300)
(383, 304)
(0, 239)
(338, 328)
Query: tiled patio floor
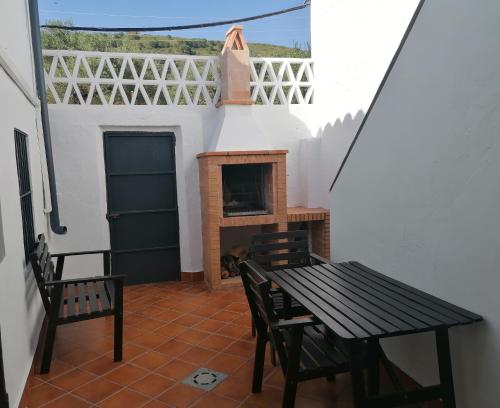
(171, 329)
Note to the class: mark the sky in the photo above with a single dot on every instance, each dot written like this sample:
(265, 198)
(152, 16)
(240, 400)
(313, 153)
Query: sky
(286, 30)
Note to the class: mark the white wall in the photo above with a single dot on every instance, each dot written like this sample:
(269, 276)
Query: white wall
(419, 198)
(78, 155)
(353, 42)
(20, 304)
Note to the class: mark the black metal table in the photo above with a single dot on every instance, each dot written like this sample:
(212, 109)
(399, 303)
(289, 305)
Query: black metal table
(361, 306)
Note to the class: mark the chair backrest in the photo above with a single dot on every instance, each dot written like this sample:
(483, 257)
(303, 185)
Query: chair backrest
(258, 291)
(43, 269)
(277, 250)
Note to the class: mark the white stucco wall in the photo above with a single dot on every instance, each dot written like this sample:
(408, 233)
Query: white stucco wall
(20, 304)
(353, 42)
(419, 197)
(77, 134)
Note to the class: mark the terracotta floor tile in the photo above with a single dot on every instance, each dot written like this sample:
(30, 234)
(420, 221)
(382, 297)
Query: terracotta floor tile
(197, 355)
(152, 385)
(42, 394)
(66, 401)
(188, 320)
(214, 400)
(181, 395)
(226, 363)
(97, 390)
(246, 370)
(241, 348)
(101, 365)
(151, 360)
(216, 342)
(168, 315)
(268, 397)
(237, 307)
(156, 404)
(231, 330)
(185, 307)
(234, 388)
(57, 367)
(130, 351)
(177, 369)
(131, 332)
(150, 324)
(102, 345)
(225, 316)
(170, 330)
(205, 311)
(124, 398)
(174, 347)
(79, 356)
(126, 374)
(210, 326)
(192, 336)
(150, 311)
(72, 379)
(150, 340)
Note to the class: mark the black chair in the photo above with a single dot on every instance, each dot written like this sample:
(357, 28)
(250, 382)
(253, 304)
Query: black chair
(305, 350)
(75, 300)
(280, 250)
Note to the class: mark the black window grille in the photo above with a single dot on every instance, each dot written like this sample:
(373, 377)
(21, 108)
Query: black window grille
(23, 174)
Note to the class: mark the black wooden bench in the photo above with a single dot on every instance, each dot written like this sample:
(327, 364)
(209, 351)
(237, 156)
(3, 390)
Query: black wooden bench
(75, 300)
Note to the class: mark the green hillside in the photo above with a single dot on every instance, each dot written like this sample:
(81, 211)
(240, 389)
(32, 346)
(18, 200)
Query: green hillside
(137, 43)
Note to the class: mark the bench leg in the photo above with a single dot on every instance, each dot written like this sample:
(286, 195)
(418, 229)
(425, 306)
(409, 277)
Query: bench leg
(445, 369)
(48, 348)
(119, 321)
(357, 375)
(118, 337)
(373, 367)
(258, 367)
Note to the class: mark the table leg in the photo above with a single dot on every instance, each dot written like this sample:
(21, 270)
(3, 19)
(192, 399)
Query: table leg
(373, 367)
(445, 369)
(357, 375)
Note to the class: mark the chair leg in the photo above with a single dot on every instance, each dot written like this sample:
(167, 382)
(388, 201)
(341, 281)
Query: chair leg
(48, 348)
(292, 368)
(258, 368)
(273, 356)
(445, 369)
(118, 346)
(289, 393)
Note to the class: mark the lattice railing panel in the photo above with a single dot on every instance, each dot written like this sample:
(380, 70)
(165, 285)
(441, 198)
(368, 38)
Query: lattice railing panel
(100, 78)
(282, 81)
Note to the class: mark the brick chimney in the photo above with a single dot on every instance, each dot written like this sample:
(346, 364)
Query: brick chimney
(235, 67)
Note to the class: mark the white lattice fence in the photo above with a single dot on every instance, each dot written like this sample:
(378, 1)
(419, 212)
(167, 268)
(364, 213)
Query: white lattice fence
(100, 78)
(282, 81)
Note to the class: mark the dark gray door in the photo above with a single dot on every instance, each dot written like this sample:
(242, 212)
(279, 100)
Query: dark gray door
(142, 205)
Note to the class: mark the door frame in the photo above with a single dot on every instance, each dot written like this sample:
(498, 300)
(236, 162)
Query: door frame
(124, 132)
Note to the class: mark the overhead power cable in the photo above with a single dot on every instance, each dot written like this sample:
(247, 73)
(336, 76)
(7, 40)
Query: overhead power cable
(306, 4)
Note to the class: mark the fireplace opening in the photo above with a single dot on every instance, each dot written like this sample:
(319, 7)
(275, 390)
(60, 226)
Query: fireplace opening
(247, 189)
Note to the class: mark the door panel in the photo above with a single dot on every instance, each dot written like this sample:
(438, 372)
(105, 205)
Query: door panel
(132, 193)
(142, 205)
(150, 230)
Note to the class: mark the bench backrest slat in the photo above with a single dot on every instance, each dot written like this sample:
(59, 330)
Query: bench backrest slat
(43, 269)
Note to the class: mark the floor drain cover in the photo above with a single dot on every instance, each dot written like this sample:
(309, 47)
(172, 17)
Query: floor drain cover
(205, 379)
